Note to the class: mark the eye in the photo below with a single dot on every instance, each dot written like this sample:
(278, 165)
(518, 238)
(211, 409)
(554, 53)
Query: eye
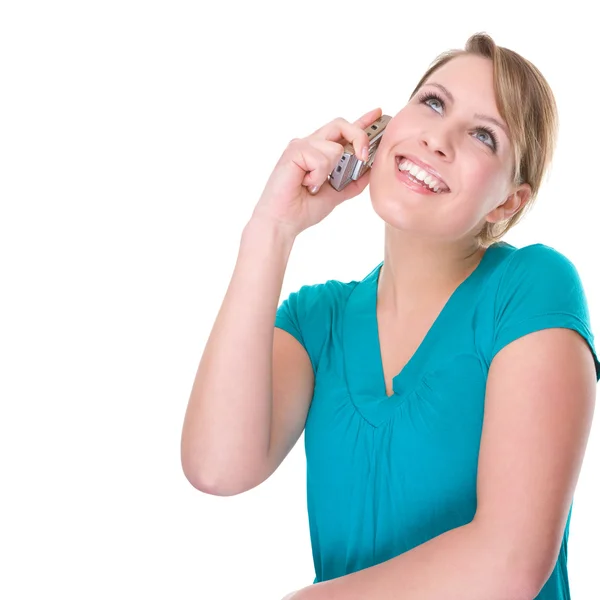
(426, 99)
(491, 135)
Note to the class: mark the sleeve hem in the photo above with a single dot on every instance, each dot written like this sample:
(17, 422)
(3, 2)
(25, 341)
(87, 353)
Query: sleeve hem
(291, 330)
(547, 321)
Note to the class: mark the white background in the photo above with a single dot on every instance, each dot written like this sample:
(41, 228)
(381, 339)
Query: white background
(136, 138)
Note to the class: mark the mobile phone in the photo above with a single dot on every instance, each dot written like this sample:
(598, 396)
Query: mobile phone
(350, 167)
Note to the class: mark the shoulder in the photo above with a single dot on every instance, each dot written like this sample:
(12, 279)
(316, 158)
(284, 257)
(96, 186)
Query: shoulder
(324, 294)
(535, 256)
(541, 275)
(324, 298)
(536, 268)
(539, 271)
(538, 288)
(313, 311)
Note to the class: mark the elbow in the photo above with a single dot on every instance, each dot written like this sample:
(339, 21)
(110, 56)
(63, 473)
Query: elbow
(223, 477)
(202, 479)
(519, 569)
(531, 580)
(514, 584)
(214, 489)
(211, 485)
(519, 562)
(214, 483)
(524, 577)
(523, 588)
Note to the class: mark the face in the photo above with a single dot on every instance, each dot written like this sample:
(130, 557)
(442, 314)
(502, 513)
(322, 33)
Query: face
(452, 135)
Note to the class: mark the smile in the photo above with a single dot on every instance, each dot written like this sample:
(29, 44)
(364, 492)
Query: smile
(419, 176)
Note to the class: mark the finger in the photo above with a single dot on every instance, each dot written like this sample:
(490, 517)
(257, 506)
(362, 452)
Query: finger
(354, 188)
(325, 155)
(341, 131)
(363, 122)
(310, 160)
(368, 118)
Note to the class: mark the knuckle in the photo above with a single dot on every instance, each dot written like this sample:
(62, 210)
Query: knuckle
(321, 160)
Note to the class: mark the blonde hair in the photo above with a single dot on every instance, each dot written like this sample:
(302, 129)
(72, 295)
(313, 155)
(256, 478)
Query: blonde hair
(527, 105)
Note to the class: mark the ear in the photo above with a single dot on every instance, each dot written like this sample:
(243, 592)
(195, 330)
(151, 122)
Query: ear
(513, 203)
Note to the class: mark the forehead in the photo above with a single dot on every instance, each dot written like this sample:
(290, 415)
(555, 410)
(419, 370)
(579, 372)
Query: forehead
(469, 79)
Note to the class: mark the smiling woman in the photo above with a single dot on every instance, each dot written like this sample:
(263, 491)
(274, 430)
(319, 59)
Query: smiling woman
(528, 117)
(447, 395)
(484, 121)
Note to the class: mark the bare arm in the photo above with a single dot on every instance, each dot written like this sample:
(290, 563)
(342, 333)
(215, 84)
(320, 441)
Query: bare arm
(227, 427)
(254, 384)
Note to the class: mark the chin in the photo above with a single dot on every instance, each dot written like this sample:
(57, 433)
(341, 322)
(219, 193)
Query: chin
(400, 213)
(391, 210)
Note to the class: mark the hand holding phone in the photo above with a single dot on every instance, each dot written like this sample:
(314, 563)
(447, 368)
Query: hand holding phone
(351, 167)
(286, 200)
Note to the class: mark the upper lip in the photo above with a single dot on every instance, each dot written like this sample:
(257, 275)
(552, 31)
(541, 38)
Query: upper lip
(424, 166)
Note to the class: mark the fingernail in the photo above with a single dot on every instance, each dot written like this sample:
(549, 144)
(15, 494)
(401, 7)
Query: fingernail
(314, 189)
(365, 153)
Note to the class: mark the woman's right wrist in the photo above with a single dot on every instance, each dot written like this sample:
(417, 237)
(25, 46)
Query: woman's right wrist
(278, 232)
(267, 237)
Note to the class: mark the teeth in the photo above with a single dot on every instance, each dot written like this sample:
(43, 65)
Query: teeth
(418, 173)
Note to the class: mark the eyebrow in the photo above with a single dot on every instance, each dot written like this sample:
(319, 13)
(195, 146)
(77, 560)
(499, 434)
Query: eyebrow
(477, 115)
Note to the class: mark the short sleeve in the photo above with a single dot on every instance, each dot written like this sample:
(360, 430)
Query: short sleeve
(540, 289)
(287, 316)
(310, 313)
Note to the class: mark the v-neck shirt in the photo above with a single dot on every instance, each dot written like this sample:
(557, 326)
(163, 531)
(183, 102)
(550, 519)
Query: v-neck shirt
(388, 473)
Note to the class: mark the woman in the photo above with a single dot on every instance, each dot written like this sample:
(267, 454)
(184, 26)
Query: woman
(447, 396)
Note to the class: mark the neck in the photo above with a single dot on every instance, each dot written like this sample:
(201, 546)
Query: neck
(418, 272)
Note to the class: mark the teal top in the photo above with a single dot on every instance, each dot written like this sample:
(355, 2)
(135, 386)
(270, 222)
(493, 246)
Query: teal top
(386, 474)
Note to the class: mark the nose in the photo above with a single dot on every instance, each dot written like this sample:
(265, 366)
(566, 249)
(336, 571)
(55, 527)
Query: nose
(437, 141)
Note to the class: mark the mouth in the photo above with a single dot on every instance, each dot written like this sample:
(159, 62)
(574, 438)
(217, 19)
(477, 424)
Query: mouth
(418, 178)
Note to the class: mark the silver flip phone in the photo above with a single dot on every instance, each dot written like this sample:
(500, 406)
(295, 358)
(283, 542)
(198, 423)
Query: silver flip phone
(349, 167)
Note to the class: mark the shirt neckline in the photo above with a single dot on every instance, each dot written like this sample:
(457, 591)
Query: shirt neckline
(363, 365)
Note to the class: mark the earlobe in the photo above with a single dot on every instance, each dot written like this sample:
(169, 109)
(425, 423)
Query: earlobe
(515, 202)
(503, 211)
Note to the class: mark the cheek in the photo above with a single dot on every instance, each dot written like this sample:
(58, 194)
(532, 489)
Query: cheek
(455, 219)
(478, 177)
(397, 129)
(473, 197)
(486, 178)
